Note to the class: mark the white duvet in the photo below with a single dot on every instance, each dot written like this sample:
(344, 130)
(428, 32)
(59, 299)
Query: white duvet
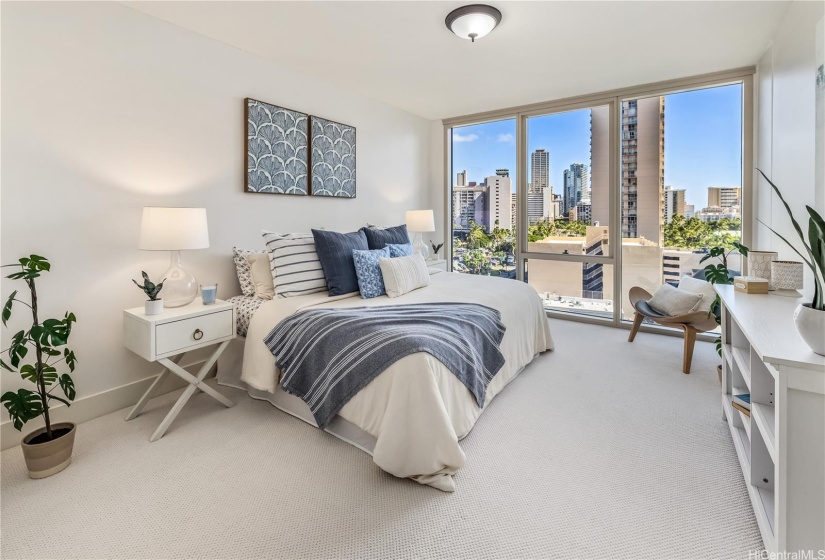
(417, 410)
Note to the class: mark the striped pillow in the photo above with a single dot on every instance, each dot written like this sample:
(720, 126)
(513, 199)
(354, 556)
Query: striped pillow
(296, 270)
(404, 274)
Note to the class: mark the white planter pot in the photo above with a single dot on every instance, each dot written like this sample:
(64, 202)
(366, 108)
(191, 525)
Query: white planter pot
(811, 325)
(153, 307)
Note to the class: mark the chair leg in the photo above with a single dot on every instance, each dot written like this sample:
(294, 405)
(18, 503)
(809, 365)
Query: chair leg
(637, 322)
(690, 342)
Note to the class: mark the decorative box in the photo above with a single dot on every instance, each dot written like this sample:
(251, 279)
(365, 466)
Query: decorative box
(750, 284)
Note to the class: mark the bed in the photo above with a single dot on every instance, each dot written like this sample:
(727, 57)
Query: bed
(412, 416)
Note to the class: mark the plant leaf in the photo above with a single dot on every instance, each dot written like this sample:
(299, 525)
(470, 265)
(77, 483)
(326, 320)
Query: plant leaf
(793, 220)
(71, 359)
(7, 307)
(67, 385)
(788, 243)
(5, 366)
(24, 405)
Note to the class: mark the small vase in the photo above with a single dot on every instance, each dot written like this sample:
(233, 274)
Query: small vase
(811, 326)
(759, 264)
(49, 457)
(153, 307)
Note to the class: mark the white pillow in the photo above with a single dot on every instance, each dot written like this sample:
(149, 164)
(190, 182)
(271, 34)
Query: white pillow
(671, 301)
(699, 287)
(261, 275)
(404, 274)
(294, 264)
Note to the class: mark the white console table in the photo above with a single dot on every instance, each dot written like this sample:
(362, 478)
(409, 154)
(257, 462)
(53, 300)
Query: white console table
(781, 445)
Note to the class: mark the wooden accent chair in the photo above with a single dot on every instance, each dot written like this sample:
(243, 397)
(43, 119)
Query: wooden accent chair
(690, 323)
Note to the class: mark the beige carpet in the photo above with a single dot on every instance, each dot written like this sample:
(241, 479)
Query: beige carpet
(602, 449)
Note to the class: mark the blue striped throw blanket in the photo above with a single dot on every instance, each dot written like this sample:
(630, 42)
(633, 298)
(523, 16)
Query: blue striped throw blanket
(327, 355)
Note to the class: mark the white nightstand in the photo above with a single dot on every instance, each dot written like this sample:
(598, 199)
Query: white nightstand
(166, 337)
(440, 264)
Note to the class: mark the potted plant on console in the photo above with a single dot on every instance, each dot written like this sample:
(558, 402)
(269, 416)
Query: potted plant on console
(47, 450)
(154, 304)
(720, 274)
(809, 318)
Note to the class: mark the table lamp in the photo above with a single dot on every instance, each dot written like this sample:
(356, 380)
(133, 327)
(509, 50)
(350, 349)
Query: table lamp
(175, 229)
(418, 222)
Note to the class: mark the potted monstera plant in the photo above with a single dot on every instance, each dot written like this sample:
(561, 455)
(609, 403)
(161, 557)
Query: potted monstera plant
(37, 354)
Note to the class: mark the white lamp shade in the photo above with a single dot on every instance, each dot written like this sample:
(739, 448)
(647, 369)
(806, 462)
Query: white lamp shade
(173, 229)
(420, 221)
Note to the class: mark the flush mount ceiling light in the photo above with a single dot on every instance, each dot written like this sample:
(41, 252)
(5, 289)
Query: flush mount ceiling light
(473, 22)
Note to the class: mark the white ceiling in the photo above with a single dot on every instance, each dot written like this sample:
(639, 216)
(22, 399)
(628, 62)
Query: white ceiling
(401, 52)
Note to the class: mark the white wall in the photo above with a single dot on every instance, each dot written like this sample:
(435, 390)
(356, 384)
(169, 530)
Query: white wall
(785, 121)
(106, 110)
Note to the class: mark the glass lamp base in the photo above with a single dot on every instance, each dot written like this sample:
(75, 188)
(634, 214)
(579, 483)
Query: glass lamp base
(420, 247)
(179, 287)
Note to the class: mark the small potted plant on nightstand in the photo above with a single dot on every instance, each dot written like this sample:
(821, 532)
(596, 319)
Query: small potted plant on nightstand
(436, 249)
(154, 304)
(48, 450)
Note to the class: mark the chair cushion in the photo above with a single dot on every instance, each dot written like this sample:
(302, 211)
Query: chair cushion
(673, 302)
(702, 287)
(645, 309)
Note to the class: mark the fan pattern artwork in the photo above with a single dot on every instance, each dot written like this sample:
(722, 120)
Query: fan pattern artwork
(333, 158)
(276, 149)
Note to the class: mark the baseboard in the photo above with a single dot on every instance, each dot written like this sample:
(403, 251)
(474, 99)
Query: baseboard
(96, 405)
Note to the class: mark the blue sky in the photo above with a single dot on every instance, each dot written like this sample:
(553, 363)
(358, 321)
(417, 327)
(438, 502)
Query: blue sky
(703, 143)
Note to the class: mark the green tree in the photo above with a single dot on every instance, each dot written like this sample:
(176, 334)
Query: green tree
(477, 237)
(476, 261)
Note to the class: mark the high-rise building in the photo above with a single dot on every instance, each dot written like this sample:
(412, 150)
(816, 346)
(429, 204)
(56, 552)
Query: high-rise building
(539, 170)
(724, 197)
(674, 203)
(576, 182)
(535, 206)
(584, 211)
(690, 211)
(498, 209)
(469, 203)
(461, 179)
(642, 167)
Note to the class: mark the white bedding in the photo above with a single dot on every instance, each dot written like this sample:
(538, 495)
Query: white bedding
(417, 410)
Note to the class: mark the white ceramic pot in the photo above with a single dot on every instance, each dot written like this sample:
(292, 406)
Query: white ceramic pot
(153, 307)
(811, 325)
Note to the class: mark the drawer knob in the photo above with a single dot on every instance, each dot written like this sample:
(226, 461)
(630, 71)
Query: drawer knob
(198, 334)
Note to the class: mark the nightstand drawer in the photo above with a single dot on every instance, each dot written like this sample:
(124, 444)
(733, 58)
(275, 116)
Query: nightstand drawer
(179, 335)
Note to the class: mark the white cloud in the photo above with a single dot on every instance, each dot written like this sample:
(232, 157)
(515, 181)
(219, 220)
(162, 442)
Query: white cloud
(505, 137)
(464, 137)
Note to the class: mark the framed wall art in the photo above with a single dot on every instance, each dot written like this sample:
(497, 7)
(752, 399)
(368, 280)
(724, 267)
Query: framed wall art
(332, 148)
(277, 157)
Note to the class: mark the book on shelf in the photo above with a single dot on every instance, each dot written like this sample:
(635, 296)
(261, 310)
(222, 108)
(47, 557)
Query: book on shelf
(741, 409)
(742, 401)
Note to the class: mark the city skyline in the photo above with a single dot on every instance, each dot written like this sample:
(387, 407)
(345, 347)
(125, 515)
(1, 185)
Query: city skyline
(700, 126)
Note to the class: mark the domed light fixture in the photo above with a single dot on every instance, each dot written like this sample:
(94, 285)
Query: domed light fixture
(473, 22)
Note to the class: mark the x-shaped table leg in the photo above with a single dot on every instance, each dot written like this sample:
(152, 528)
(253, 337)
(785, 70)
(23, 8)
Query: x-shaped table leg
(196, 383)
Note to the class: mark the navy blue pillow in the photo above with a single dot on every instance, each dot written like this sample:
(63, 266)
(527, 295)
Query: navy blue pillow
(335, 253)
(377, 238)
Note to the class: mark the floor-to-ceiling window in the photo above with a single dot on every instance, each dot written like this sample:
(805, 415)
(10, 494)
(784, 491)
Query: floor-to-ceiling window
(483, 198)
(681, 184)
(567, 255)
(607, 191)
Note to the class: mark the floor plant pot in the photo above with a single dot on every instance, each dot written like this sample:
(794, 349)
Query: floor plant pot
(153, 306)
(811, 326)
(49, 457)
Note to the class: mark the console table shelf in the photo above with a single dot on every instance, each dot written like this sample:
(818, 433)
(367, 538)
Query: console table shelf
(781, 445)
